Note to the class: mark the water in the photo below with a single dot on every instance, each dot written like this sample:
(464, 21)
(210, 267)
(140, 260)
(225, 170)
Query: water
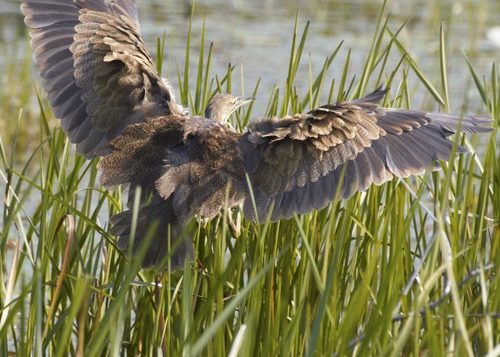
(255, 37)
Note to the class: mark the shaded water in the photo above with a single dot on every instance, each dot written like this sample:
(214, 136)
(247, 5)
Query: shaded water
(255, 36)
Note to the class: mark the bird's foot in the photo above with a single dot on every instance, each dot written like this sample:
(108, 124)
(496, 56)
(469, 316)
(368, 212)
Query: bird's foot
(203, 221)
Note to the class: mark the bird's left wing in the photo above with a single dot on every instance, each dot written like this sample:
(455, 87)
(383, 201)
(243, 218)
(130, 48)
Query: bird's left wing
(298, 163)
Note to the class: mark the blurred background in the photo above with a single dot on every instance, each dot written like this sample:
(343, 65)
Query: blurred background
(255, 37)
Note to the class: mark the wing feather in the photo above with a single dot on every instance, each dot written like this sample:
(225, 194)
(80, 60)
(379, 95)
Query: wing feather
(96, 71)
(299, 163)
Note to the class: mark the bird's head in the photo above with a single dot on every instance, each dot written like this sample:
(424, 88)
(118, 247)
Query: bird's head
(223, 105)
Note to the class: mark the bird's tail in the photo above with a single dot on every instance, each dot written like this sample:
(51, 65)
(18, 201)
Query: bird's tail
(157, 227)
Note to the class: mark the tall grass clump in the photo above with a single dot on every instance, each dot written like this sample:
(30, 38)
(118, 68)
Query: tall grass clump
(407, 268)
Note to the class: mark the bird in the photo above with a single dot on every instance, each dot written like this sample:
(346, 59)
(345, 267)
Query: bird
(102, 84)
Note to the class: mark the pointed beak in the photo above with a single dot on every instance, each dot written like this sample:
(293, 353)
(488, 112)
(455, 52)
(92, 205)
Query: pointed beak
(240, 101)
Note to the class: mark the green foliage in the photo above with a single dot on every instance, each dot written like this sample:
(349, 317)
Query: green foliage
(408, 268)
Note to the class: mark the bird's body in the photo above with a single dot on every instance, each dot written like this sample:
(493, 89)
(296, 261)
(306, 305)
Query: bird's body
(102, 83)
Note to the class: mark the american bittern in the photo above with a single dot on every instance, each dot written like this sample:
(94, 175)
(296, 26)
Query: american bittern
(102, 83)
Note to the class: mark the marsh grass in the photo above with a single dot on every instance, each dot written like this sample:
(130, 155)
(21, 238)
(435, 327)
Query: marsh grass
(408, 268)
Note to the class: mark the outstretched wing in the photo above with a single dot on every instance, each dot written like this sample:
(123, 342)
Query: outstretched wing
(298, 163)
(97, 73)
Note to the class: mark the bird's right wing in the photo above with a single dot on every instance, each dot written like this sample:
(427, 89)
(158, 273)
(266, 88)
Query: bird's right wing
(299, 163)
(98, 75)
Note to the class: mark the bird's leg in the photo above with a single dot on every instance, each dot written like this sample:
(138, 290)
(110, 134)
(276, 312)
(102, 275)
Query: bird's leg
(230, 126)
(234, 227)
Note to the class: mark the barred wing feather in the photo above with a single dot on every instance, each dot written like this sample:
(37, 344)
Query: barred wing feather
(298, 164)
(95, 69)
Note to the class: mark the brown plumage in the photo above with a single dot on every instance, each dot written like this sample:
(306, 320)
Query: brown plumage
(102, 84)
